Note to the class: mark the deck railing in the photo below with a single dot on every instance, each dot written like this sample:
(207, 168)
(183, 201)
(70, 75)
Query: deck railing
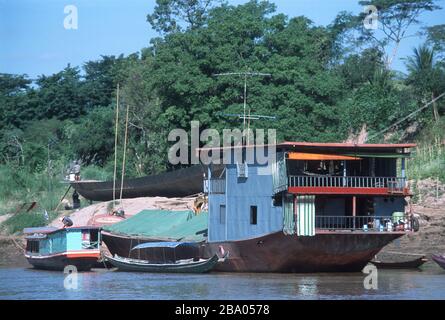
(215, 186)
(364, 223)
(393, 184)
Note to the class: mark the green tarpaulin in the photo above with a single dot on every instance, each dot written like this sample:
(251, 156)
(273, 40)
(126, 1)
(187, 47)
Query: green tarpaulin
(163, 224)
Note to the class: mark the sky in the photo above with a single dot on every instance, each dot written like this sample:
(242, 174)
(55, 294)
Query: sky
(34, 41)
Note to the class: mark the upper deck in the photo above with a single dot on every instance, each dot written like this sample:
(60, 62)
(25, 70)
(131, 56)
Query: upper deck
(336, 169)
(341, 168)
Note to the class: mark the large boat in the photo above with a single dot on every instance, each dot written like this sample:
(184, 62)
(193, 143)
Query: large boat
(52, 248)
(178, 183)
(317, 207)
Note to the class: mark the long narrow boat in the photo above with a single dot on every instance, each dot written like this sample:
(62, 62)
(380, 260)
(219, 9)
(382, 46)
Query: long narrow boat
(168, 264)
(180, 266)
(439, 259)
(178, 183)
(408, 264)
(51, 248)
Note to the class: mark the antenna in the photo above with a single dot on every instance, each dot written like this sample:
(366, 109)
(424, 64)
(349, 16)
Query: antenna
(244, 116)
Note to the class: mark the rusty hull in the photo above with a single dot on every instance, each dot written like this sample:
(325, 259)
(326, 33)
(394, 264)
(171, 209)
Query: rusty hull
(277, 252)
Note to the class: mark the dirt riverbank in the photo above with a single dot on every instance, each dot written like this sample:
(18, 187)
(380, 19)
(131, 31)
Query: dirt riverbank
(430, 209)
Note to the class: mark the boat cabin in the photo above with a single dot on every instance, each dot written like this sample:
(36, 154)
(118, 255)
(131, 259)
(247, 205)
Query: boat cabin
(55, 248)
(310, 188)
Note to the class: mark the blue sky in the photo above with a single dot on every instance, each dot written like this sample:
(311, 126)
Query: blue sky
(34, 41)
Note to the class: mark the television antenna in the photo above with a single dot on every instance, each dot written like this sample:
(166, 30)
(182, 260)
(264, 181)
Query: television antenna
(244, 115)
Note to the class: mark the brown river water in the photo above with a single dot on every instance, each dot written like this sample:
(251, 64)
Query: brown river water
(28, 283)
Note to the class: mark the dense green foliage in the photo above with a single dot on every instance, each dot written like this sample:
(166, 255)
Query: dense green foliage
(325, 85)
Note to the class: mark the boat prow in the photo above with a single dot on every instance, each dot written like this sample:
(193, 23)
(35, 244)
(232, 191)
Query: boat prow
(439, 259)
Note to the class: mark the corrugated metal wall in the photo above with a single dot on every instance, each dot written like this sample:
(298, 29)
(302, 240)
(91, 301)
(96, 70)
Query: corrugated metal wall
(241, 194)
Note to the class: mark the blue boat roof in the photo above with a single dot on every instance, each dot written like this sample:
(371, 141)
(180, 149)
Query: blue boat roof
(46, 230)
(40, 230)
(164, 245)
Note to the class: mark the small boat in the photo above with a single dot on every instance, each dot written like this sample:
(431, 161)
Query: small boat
(167, 264)
(409, 264)
(439, 259)
(53, 248)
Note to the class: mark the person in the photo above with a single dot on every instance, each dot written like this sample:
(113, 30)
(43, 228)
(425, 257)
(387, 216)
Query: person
(76, 170)
(76, 201)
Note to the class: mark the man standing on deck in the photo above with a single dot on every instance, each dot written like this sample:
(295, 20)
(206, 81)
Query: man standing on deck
(76, 170)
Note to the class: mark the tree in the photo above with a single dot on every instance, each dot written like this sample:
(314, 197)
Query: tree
(14, 98)
(436, 39)
(169, 14)
(60, 95)
(425, 76)
(395, 17)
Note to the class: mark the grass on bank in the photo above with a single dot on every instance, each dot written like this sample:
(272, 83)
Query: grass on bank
(19, 186)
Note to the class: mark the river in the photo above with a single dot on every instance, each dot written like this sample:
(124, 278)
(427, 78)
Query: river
(28, 283)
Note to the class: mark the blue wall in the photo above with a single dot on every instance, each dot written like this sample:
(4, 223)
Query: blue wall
(241, 193)
(388, 207)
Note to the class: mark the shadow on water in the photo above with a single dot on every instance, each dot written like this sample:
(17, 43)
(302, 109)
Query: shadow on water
(19, 283)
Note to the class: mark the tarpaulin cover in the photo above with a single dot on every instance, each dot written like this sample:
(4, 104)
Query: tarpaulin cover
(163, 245)
(164, 224)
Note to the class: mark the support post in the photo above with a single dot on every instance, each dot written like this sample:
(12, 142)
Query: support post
(354, 210)
(403, 168)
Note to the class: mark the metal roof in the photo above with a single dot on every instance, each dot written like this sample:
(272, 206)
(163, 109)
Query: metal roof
(46, 230)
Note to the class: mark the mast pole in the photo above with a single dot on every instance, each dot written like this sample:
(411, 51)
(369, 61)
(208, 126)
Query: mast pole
(115, 145)
(125, 152)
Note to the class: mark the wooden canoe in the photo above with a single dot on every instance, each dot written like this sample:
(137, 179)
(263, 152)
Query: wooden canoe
(409, 264)
(439, 259)
(181, 266)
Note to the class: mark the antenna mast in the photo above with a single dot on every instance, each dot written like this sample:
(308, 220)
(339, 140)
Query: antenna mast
(244, 116)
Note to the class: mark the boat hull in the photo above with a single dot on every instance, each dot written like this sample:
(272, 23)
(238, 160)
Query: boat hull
(440, 260)
(178, 183)
(412, 264)
(277, 252)
(324, 252)
(58, 262)
(139, 266)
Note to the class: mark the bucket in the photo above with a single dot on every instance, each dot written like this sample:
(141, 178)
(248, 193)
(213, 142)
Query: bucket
(396, 216)
(72, 177)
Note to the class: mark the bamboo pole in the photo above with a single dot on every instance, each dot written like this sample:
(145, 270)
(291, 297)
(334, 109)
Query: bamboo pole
(124, 158)
(115, 145)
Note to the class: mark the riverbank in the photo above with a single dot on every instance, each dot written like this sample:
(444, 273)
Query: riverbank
(11, 252)
(430, 209)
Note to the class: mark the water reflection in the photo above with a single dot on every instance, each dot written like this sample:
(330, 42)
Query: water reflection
(34, 284)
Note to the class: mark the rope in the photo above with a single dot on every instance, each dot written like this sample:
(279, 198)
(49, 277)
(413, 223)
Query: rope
(115, 145)
(408, 116)
(125, 153)
(17, 245)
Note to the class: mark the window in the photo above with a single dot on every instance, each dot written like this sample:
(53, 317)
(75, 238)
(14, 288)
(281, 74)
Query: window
(253, 214)
(222, 214)
(32, 246)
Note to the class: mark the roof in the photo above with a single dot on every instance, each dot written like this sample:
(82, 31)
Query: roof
(347, 145)
(164, 224)
(47, 230)
(334, 147)
(163, 245)
(43, 230)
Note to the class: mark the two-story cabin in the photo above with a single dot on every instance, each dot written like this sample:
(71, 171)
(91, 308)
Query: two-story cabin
(316, 207)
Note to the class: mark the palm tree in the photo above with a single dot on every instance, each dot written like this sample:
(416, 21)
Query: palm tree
(424, 76)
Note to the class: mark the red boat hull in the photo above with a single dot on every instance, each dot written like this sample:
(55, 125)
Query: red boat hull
(83, 261)
(277, 252)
